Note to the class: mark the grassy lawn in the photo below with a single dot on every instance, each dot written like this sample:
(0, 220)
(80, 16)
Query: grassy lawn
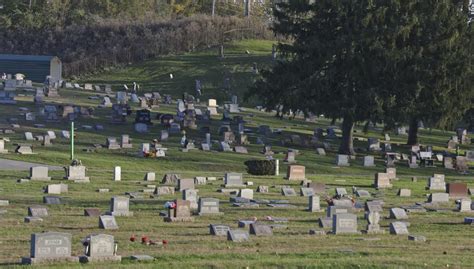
(449, 241)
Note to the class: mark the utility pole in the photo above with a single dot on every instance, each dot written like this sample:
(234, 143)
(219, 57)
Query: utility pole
(213, 8)
(72, 140)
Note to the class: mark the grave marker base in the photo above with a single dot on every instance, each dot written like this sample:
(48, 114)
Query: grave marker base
(28, 260)
(87, 259)
(179, 219)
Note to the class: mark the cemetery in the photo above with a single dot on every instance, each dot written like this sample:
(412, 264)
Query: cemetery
(184, 172)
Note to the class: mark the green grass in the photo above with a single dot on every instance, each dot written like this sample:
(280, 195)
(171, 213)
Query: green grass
(190, 245)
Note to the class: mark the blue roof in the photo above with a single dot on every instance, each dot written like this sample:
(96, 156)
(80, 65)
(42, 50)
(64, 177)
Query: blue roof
(33, 58)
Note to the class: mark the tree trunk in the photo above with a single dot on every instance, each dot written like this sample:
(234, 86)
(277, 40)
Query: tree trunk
(413, 132)
(347, 146)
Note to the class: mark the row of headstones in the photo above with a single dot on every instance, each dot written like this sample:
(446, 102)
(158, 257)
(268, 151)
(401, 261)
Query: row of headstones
(50, 247)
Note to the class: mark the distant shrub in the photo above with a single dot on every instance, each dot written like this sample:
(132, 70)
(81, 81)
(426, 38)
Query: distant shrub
(260, 167)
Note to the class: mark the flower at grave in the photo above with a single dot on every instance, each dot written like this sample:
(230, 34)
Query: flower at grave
(165, 242)
(132, 238)
(145, 239)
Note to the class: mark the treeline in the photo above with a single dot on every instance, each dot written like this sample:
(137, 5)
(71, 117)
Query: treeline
(84, 48)
(40, 14)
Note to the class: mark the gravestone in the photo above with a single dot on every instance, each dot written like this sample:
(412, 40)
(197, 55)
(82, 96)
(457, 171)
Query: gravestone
(448, 162)
(237, 236)
(398, 228)
(391, 173)
(373, 217)
(117, 173)
(181, 212)
(437, 183)
(184, 184)
(296, 172)
(192, 196)
(163, 190)
(457, 190)
(233, 180)
(39, 173)
(208, 206)
(465, 205)
(382, 181)
(262, 189)
(319, 188)
(52, 200)
(398, 213)
(373, 144)
(24, 149)
(170, 179)
(287, 191)
(344, 223)
(260, 230)
(108, 222)
(53, 189)
(119, 206)
(50, 247)
(37, 211)
(342, 160)
(314, 204)
(111, 143)
(321, 151)
(29, 136)
(246, 193)
(404, 193)
(306, 192)
(125, 142)
(100, 248)
(92, 212)
(369, 161)
(77, 173)
(150, 176)
(438, 198)
(219, 230)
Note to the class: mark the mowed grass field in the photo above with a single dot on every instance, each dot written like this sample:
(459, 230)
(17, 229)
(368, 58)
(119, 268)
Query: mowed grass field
(450, 243)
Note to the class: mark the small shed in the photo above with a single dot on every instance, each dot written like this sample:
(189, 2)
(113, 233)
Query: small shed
(34, 67)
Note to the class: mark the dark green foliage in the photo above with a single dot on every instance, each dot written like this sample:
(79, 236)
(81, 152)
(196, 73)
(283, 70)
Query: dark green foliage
(260, 167)
(399, 61)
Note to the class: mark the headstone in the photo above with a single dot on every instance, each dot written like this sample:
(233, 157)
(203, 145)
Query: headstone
(192, 196)
(306, 192)
(184, 184)
(37, 211)
(457, 190)
(52, 200)
(373, 217)
(260, 230)
(100, 248)
(398, 213)
(208, 206)
(391, 173)
(398, 228)
(438, 198)
(150, 176)
(119, 206)
(296, 172)
(382, 181)
(437, 183)
(314, 204)
(369, 161)
(92, 212)
(288, 191)
(404, 193)
(39, 173)
(342, 160)
(108, 222)
(237, 236)
(246, 193)
(181, 212)
(465, 205)
(233, 180)
(344, 223)
(219, 230)
(50, 247)
(77, 173)
(117, 173)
